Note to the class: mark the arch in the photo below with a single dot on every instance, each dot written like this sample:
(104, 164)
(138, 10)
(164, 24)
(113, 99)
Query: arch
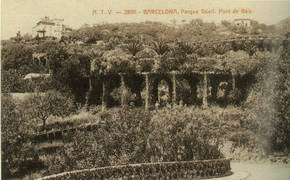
(94, 93)
(267, 43)
(155, 82)
(136, 83)
(220, 82)
(215, 80)
(193, 80)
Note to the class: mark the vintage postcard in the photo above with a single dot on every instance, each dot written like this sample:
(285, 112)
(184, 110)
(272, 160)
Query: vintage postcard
(156, 89)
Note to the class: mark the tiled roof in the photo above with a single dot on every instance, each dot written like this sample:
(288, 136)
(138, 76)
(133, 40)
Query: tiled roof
(239, 19)
(46, 22)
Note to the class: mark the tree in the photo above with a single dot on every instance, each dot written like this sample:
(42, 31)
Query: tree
(27, 37)
(239, 62)
(15, 130)
(41, 106)
(134, 45)
(117, 61)
(160, 46)
(17, 55)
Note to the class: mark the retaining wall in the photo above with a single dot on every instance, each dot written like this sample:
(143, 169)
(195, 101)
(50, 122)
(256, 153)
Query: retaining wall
(158, 170)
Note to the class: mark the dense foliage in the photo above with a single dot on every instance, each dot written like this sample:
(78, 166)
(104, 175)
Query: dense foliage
(20, 121)
(180, 134)
(17, 155)
(268, 102)
(130, 47)
(131, 135)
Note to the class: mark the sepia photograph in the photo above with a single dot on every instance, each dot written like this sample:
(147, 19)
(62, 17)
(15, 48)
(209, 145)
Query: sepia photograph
(156, 89)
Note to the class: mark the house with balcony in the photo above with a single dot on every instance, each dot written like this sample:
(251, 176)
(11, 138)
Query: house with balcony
(50, 28)
(243, 22)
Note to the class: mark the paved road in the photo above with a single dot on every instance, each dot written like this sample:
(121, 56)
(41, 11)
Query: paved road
(258, 171)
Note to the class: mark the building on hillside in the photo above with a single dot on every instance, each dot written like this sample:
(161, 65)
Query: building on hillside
(245, 23)
(32, 76)
(54, 28)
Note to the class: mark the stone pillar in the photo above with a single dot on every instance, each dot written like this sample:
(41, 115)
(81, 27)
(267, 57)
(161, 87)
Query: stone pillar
(154, 91)
(104, 94)
(234, 74)
(159, 94)
(123, 93)
(147, 91)
(89, 92)
(234, 82)
(46, 61)
(174, 88)
(205, 93)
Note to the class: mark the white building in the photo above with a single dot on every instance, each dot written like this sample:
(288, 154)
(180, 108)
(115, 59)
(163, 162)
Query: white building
(246, 23)
(47, 27)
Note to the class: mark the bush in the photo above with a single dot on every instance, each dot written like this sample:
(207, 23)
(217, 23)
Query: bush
(181, 134)
(12, 81)
(120, 138)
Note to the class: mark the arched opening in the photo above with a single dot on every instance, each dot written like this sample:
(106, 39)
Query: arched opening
(184, 91)
(187, 89)
(112, 88)
(134, 85)
(43, 61)
(161, 90)
(163, 93)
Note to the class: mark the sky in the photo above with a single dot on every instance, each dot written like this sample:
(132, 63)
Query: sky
(22, 15)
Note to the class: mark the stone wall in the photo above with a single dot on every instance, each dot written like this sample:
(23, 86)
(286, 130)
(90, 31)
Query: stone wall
(158, 170)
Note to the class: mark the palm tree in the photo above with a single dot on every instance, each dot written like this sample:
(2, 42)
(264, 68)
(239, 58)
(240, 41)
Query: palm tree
(160, 46)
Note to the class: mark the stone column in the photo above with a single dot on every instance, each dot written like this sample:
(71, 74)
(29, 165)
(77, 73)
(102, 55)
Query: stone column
(205, 93)
(123, 87)
(214, 82)
(104, 94)
(234, 74)
(147, 91)
(89, 92)
(174, 87)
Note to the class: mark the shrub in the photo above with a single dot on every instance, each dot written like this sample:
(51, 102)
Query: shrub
(180, 134)
(12, 81)
(126, 132)
(120, 138)
(146, 53)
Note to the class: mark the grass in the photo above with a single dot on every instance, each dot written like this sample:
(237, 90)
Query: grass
(74, 120)
(21, 96)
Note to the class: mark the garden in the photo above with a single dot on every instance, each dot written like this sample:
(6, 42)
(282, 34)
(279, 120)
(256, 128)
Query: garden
(61, 125)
